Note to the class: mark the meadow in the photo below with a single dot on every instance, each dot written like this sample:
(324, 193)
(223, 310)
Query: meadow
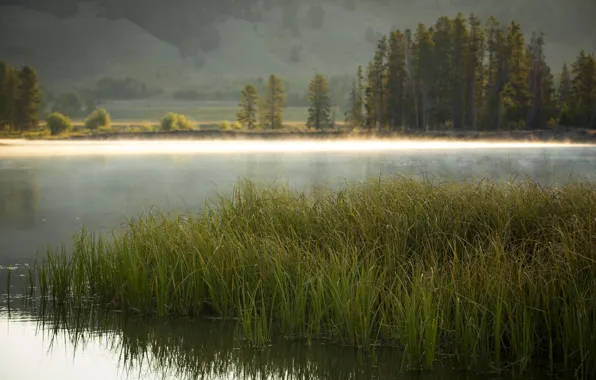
(490, 275)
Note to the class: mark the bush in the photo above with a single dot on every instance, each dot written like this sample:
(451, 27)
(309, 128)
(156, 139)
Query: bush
(175, 122)
(225, 125)
(236, 125)
(58, 123)
(99, 118)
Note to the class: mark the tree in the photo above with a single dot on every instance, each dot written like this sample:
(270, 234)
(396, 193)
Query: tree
(28, 101)
(7, 99)
(354, 114)
(249, 106)
(397, 79)
(583, 89)
(274, 102)
(474, 79)
(319, 111)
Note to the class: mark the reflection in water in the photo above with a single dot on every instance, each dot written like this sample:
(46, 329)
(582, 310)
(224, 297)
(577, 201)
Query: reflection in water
(192, 349)
(19, 197)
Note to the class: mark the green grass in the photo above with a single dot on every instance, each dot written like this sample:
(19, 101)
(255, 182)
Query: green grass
(481, 272)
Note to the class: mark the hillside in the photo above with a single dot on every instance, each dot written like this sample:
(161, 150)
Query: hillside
(74, 52)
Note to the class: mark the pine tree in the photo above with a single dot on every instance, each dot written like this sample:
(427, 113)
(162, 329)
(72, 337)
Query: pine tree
(249, 106)
(274, 102)
(474, 79)
(460, 56)
(496, 74)
(424, 52)
(443, 72)
(28, 101)
(319, 112)
(354, 115)
(517, 95)
(537, 117)
(6, 100)
(396, 79)
(583, 89)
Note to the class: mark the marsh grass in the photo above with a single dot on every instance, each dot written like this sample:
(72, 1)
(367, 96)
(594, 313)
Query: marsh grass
(481, 272)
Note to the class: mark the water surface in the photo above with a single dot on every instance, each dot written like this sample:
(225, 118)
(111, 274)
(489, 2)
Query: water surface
(48, 191)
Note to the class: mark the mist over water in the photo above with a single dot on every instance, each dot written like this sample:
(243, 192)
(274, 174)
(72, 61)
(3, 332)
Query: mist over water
(49, 190)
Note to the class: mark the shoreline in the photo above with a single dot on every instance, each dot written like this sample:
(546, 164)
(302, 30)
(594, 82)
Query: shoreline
(569, 135)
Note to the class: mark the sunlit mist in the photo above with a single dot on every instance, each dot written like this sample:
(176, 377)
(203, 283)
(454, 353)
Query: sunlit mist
(23, 148)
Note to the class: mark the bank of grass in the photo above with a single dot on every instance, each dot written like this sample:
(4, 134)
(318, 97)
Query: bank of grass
(486, 273)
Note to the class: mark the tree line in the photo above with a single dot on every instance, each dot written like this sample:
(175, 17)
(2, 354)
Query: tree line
(267, 110)
(462, 74)
(20, 97)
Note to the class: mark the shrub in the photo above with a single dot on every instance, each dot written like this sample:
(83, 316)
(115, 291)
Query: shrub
(58, 123)
(174, 122)
(225, 125)
(98, 118)
(236, 125)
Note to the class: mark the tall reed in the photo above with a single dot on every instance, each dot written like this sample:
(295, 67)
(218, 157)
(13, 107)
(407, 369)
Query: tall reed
(483, 271)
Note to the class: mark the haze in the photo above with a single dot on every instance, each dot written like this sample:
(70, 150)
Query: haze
(220, 45)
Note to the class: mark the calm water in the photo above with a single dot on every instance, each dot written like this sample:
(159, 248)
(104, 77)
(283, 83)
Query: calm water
(48, 192)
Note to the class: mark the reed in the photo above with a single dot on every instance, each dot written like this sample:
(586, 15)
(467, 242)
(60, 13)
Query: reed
(499, 272)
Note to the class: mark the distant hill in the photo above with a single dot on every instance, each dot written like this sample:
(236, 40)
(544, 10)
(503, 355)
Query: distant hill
(73, 44)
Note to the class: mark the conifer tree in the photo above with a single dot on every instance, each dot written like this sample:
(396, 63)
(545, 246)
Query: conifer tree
(249, 106)
(396, 79)
(424, 51)
(6, 99)
(516, 96)
(274, 102)
(354, 114)
(474, 79)
(319, 112)
(565, 87)
(444, 79)
(460, 55)
(583, 89)
(28, 101)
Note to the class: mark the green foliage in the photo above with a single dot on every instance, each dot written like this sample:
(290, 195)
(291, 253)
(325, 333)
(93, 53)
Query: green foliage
(28, 100)
(68, 104)
(249, 106)
(224, 125)
(462, 75)
(175, 122)
(236, 125)
(8, 93)
(99, 118)
(273, 103)
(58, 123)
(319, 112)
(479, 272)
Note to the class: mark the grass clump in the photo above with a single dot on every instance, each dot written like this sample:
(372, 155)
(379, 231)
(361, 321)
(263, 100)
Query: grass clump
(175, 122)
(58, 123)
(504, 273)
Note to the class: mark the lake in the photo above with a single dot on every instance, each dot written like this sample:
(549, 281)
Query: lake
(50, 190)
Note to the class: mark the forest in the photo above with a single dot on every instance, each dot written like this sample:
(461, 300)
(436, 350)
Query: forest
(462, 74)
